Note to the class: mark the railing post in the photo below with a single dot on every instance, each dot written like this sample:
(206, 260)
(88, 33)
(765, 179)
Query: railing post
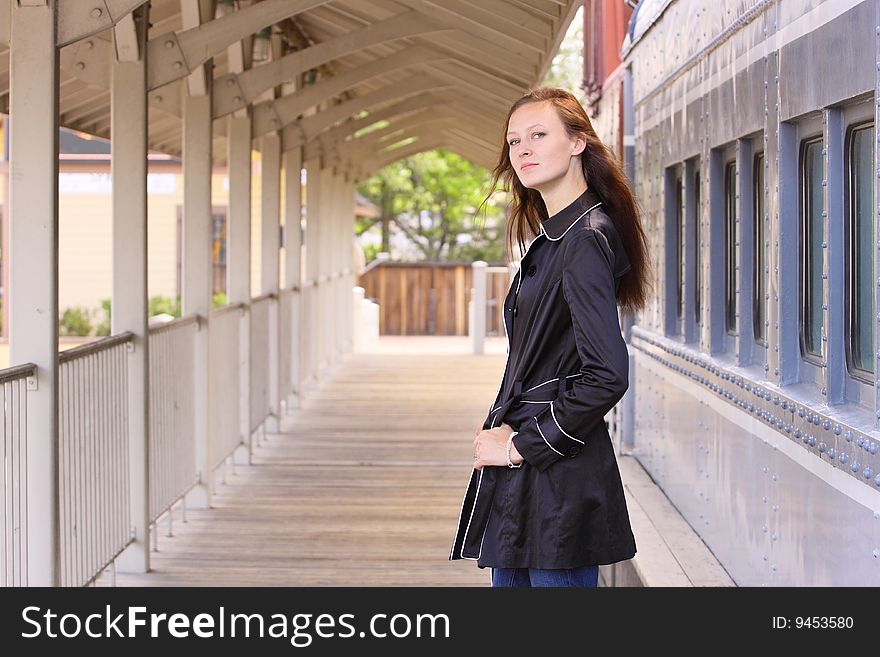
(477, 325)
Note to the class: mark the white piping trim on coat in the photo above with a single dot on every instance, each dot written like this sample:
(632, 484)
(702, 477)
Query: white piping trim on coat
(460, 511)
(471, 519)
(556, 239)
(542, 384)
(570, 376)
(560, 428)
(538, 424)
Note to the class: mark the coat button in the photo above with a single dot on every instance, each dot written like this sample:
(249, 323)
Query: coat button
(532, 270)
(574, 451)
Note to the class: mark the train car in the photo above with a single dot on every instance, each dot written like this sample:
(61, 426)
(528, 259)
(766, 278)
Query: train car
(749, 127)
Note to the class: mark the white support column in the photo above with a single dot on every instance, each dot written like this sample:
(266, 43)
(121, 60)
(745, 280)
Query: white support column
(293, 263)
(477, 323)
(327, 327)
(270, 148)
(350, 261)
(33, 261)
(342, 249)
(238, 235)
(197, 284)
(311, 317)
(129, 305)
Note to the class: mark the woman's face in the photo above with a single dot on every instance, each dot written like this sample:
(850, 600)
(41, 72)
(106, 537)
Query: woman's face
(541, 152)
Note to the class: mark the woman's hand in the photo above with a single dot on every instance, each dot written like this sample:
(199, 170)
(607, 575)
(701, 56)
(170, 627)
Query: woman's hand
(490, 447)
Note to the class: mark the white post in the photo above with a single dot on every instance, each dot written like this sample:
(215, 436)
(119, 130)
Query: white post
(477, 324)
(351, 279)
(238, 272)
(326, 326)
(293, 262)
(313, 259)
(33, 261)
(358, 324)
(128, 109)
(197, 279)
(270, 264)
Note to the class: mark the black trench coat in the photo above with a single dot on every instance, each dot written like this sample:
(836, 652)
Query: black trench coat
(567, 366)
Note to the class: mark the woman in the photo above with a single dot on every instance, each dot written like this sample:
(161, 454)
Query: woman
(545, 504)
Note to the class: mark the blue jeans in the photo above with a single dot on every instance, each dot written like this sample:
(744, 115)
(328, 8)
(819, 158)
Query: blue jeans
(588, 577)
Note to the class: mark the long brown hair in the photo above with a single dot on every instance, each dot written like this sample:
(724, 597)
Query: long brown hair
(605, 176)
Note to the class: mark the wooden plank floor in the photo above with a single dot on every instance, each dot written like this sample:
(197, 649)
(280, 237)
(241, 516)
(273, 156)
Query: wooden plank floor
(362, 487)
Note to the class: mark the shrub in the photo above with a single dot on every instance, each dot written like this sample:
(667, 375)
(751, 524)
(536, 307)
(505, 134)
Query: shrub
(104, 327)
(75, 321)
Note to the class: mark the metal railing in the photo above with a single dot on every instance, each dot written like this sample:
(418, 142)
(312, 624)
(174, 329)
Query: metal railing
(262, 313)
(172, 420)
(93, 458)
(288, 307)
(224, 384)
(13, 494)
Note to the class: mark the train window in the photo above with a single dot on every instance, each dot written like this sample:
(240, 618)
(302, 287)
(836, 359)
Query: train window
(812, 204)
(698, 251)
(759, 276)
(860, 262)
(679, 239)
(730, 246)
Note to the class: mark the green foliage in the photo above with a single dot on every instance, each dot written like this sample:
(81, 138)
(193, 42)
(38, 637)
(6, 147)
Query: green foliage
(567, 68)
(371, 251)
(104, 327)
(219, 300)
(432, 199)
(159, 305)
(75, 321)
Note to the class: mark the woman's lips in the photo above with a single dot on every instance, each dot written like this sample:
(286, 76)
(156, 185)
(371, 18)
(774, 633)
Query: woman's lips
(527, 166)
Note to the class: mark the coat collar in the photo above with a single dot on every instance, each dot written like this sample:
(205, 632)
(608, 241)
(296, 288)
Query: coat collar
(559, 224)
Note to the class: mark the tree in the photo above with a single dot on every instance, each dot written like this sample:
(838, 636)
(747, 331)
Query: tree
(567, 69)
(431, 198)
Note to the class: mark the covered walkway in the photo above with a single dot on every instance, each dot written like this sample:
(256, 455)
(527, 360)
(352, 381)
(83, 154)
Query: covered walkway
(361, 486)
(102, 440)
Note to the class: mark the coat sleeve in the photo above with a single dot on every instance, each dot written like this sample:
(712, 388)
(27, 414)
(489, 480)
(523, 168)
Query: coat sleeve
(588, 287)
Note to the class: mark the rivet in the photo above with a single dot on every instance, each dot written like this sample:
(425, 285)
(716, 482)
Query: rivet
(169, 44)
(80, 66)
(178, 65)
(832, 453)
(90, 44)
(236, 99)
(868, 473)
(230, 82)
(822, 448)
(97, 12)
(844, 458)
(158, 99)
(848, 436)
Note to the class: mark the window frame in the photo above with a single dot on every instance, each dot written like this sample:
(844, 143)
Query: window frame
(729, 246)
(806, 138)
(852, 126)
(759, 236)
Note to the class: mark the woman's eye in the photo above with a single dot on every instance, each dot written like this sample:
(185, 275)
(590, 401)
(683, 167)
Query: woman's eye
(537, 133)
(511, 141)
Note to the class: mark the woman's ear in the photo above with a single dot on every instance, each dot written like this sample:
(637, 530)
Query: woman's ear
(580, 144)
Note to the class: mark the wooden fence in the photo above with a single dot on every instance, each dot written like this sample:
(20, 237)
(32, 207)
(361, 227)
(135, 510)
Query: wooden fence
(430, 298)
